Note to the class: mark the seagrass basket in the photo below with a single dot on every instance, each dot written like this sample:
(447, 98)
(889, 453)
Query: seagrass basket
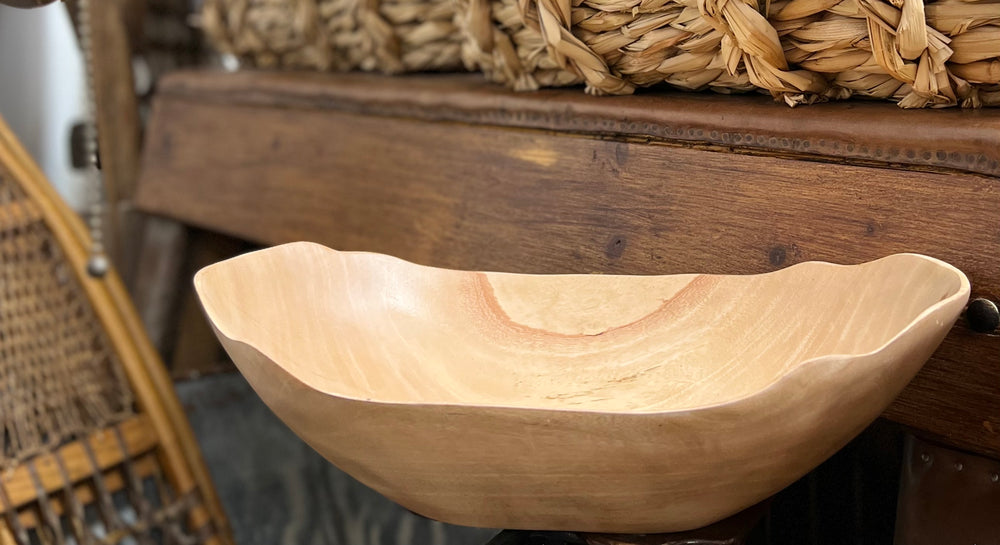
(389, 36)
(919, 54)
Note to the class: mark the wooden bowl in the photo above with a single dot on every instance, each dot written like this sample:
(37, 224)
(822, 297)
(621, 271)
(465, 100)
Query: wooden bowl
(626, 404)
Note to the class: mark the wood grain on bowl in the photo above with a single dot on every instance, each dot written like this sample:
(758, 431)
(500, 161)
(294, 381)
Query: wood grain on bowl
(598, 403)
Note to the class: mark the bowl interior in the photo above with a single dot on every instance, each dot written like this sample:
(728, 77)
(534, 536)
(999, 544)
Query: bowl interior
(372, 327)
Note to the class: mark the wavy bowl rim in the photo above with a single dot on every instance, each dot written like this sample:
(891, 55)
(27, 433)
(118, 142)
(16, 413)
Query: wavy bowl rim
(963, 290)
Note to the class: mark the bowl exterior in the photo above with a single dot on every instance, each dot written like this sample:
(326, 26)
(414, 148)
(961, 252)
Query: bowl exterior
(590, 471)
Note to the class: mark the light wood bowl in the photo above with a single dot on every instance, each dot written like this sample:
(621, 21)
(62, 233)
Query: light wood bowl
(627, 404)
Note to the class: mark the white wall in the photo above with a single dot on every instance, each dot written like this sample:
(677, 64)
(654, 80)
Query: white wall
(41, 89)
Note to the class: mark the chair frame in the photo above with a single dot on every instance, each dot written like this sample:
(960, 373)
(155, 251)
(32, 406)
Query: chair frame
(158, 408)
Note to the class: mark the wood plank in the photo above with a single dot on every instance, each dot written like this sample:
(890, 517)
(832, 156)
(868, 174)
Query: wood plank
(117, 107)
(115, 34)
(855, 131)
(114, 480)
(493, 198)
(196, 351)
(139, 437)
(161, 259)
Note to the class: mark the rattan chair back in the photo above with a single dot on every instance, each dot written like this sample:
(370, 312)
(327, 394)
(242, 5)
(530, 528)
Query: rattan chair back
(95, 447)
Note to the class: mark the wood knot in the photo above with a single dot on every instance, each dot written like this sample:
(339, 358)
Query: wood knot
(615, 247)
(777, 256)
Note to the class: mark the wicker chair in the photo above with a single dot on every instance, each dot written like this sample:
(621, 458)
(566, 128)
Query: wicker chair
(96, 449)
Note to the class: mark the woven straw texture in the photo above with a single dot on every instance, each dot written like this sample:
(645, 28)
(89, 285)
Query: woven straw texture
(390, 36)
(939, 54)
(933, 54)
(59, 378)
(498, 43)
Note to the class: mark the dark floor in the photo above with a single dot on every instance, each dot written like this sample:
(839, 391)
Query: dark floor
(278, 491)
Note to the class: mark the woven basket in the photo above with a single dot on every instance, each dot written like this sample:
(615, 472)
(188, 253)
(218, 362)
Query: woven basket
(941, 53)
(497, 42)
(389, 36)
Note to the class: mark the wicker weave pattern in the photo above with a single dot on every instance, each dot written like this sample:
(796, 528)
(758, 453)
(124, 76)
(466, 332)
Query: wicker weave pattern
(269, 33)
(80, 463)
(130, 504)
(389, 36)
(59, 378)
(939, 53)
(944, 54)
(499, 43)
